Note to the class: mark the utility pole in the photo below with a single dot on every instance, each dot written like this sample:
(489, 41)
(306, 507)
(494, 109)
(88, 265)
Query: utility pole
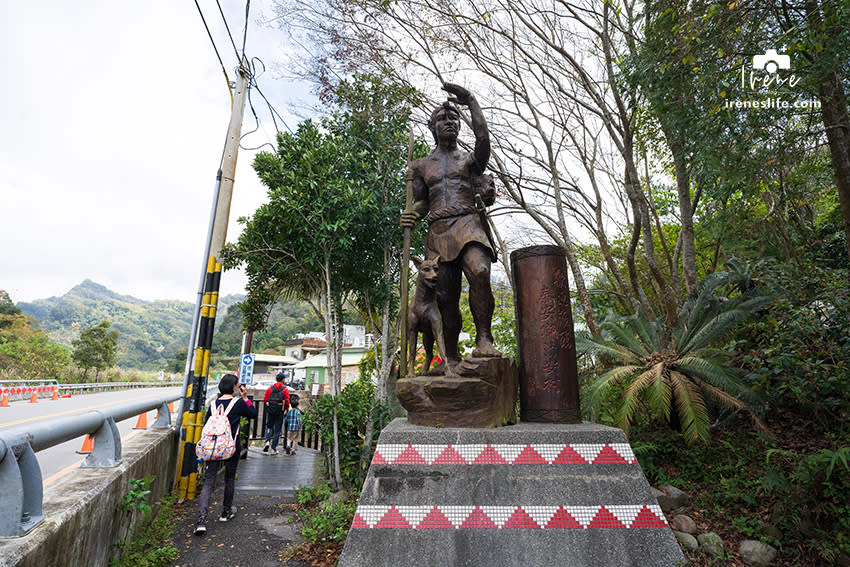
(191, 419)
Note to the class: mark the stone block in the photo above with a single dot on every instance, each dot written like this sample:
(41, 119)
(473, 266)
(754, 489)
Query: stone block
(672, 498)
(682, 523)
(530, 495)
(687, 541)
(711, 544)
(756, 553)
(481, 394)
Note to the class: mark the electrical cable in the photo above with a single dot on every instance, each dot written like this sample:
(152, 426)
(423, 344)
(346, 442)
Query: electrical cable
(245, 31)
(252, 84)
(227, 27)
(220, 62)
(272, 110)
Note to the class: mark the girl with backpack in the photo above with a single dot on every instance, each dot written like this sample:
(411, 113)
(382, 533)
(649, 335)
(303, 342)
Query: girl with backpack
(293, 426)
(233, 399)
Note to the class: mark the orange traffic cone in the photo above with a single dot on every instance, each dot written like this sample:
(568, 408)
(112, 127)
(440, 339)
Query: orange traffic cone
(171, 407)
(55, 395)
(88, 445)
(34, 398)
(142, 423)
(68, 395)
(5, 402)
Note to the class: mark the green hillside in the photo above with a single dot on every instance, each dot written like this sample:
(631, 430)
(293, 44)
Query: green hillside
(150, 332)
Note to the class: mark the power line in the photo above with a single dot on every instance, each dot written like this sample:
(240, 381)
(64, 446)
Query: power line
(227, 27)
(215, 48)
(250, 69)
(245, 31)
(253, 84)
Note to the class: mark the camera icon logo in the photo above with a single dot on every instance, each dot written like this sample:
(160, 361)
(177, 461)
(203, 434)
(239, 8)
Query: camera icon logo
(771, 61)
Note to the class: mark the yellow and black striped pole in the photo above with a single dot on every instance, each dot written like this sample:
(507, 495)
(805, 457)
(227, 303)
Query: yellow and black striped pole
(194, 404)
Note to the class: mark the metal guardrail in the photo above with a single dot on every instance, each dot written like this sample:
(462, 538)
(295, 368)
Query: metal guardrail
(24, 389)
(20, 475)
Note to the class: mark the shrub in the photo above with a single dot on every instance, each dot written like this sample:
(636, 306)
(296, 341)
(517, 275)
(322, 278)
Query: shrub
(813, 498)
(356, 405)
(152, 547)
(797, 354)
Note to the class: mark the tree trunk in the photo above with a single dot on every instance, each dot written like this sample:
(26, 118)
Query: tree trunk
(835, 118)
(366, 454)
(837, 125)
(639, 204)
(331, 334)
(646, 309)
(581, 289)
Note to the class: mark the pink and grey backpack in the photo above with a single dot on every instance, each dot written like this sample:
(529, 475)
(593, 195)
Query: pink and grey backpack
(216, 442)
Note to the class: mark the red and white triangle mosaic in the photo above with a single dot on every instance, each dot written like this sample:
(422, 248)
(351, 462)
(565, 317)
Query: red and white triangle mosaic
(487, 454)
(509, 517)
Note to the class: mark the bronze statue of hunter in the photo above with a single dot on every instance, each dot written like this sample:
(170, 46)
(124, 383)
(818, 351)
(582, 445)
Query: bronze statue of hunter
(450, 190)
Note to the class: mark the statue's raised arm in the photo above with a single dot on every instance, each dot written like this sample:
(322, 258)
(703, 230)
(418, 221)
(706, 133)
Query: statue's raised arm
(463, 97)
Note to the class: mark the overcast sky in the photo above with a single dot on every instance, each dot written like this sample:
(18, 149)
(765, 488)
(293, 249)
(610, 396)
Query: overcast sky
(113, 118)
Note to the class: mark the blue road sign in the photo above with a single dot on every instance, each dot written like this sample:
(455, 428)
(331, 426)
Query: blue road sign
(246, 369)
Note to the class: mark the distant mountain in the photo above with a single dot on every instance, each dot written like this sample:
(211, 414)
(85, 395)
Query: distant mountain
(150, 332)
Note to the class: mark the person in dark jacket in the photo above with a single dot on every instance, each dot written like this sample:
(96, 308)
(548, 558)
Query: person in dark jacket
(276, 404)
(228, 388)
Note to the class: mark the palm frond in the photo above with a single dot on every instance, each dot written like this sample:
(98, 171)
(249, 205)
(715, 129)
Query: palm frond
(601, 385)
(722, 397)
(713, 329)
(727, 400)
(630, 401)
(625, 335)
(644, 379)
(661, 394)
(607, 348)
(690, 406)
(648, 333)
(704, 367)
(629, 406)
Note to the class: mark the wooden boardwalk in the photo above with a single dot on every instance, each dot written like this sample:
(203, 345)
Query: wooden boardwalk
(278, 475)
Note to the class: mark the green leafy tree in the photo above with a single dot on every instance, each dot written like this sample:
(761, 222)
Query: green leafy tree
(7, 306)
(675, 378)
(96, 348)
(318, 238)
(33, 358)
(25, 352)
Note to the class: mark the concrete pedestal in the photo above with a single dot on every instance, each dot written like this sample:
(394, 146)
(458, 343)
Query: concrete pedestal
(530, 495)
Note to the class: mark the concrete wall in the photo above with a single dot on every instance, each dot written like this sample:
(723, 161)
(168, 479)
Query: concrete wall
(82, 518)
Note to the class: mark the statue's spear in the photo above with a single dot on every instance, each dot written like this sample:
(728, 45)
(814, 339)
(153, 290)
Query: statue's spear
(405, 263)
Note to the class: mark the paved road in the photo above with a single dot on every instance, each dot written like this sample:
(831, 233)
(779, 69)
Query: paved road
(58, 461)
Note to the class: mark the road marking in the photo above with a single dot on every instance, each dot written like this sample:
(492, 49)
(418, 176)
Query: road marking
(77, 410)
(74, 466)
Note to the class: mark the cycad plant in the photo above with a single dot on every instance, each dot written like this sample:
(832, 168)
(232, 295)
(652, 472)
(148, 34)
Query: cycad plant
(674, 378)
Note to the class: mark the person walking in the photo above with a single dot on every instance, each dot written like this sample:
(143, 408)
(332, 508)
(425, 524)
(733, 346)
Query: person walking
(293, 426)
(229, 389)
(276, 404)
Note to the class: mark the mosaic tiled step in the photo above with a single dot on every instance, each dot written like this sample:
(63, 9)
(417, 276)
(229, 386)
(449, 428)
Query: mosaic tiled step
(495, 454)
(509, 517)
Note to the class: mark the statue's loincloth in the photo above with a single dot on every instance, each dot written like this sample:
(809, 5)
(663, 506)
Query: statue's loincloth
(449, 236)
